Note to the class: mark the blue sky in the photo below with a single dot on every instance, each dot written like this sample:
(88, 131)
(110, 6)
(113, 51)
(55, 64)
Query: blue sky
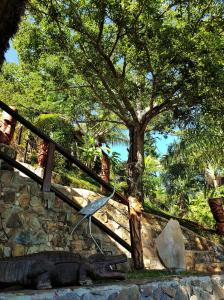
(11, 55)
(162, 143)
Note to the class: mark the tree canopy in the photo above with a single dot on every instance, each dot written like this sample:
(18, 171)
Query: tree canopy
(152, 64)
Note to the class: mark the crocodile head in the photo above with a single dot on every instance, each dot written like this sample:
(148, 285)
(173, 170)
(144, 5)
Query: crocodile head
(103, 266)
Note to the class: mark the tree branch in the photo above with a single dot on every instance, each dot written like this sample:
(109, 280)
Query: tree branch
(169, 7)
(102, 19)
(107, 105)
(124, 67)
(126, 102)
(119, 35)
(69, 88)
(202, 15)
(101, 121)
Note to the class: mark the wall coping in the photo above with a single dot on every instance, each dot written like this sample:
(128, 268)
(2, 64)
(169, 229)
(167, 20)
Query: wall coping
(130, 289)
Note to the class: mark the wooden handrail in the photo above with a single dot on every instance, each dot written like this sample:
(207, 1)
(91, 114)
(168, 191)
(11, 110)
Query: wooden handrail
(63, 151)
(64, 198)
(48, 168)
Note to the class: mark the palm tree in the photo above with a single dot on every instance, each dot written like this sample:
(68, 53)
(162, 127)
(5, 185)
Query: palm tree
(96, 137)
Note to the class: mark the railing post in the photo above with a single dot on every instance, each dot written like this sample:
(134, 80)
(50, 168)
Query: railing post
(48, 168)
(19, 138)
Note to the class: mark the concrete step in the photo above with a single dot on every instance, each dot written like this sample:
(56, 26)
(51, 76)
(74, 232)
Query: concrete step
(202, 260)
(217, 267)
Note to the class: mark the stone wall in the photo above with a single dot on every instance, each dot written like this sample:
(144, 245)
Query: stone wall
(33, 221)
(176, 288)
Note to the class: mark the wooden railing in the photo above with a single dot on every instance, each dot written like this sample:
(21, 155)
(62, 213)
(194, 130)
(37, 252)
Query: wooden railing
(61, 150)
(46, 181)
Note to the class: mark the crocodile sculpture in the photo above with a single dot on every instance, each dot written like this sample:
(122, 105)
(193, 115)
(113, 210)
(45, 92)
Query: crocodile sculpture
(49, 269)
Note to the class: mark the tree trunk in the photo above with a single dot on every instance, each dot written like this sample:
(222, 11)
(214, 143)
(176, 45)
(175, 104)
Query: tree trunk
(135, 191)
(42, 154)
(105, 170)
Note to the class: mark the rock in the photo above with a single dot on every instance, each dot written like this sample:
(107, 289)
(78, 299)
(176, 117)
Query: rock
(218, 291)
(202, 295)
(129, 293)
(77, 245)
(2, 208)
(8, 196)
(18, 250)
(11, 153)
(171, 292)
(170, 246)
(58, 202)
(14, 221)
(5, 166)
(182, 293)
(24, 237)
(159, 294)
(34, 223)
(36, 202)
(7, 252)
(24, 200)
(67, 296)
(146, 291)
(6, 177)
(28, 237)
(113, 296)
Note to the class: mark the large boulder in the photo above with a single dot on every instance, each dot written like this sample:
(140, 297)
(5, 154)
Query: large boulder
(170, 246)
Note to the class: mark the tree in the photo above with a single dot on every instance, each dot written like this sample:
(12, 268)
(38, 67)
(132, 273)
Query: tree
(138, 59)
(194, 162)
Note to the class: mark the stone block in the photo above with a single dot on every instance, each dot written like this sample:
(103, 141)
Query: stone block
(14, 221)
(62, 216)
(18, 250)
(129, 293)
(77, 245)
(28, 237)
(51, 226)
(9, 151)
(202, 295)
(146, 291)
(169, 291)
(35, 189)
(58, 202)
(8, 196)
(2, 207)
(5, 166)
(6, 177)
(6, 149)
(158, 294)
(7, 251)
(190, 260)
(67, 296)
(24, 200)
(218, 291)
(36, 202)
(181, 293)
